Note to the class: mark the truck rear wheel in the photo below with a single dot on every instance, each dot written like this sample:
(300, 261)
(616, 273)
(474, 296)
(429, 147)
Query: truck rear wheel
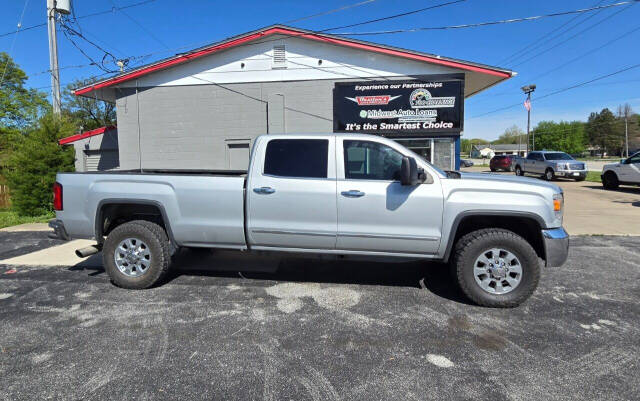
(136, 255)
(496, 268)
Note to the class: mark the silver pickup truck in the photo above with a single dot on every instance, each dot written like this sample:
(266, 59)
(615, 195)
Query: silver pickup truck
(550, 164)
(340, 194)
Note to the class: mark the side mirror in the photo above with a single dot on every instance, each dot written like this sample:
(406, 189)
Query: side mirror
(409, 171)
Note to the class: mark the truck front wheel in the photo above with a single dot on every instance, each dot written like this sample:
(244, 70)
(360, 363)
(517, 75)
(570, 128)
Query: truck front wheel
(519, 171)
(496, 268)
(136, 255)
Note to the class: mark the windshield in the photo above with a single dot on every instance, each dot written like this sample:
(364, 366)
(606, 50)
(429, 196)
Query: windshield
(557, 156)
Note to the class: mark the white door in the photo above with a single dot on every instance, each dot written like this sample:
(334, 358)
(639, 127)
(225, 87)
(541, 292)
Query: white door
(378, 214)
(630, 169)
(292, 199)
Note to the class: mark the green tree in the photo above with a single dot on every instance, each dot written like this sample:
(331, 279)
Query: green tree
(512, 135)
(564, 136)
(466, 145)
(19, 106)
(86, 112)
(603, 129)
(32, 166)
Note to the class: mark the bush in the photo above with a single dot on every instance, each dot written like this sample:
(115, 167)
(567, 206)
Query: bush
(35, 159)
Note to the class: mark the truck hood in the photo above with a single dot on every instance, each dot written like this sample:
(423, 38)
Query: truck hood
(502, 178)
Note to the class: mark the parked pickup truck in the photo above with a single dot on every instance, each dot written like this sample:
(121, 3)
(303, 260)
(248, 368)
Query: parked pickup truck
(339, 194)
(627, 172)
(549, 165)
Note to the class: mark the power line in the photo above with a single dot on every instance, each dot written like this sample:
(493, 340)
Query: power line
(148, 32)
(586, 53)
(394, 16)
(335, 10)
(537, 42)
(481, 24)
(561, 90)
(109, 11)
(575, 35)
(13, 42)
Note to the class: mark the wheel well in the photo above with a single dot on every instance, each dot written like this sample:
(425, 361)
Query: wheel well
(611, 172)
(112, 215)
(526, 227)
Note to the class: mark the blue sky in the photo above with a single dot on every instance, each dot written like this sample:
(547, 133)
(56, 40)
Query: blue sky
(162, 26)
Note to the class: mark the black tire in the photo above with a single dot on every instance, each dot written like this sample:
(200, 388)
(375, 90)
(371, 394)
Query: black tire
(549, 175)
(472, 245)
(159, 247)
(492, 169)
(519, 171)
(610, 180)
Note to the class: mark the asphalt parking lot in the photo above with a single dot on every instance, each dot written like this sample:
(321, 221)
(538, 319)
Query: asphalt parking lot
(251, 328)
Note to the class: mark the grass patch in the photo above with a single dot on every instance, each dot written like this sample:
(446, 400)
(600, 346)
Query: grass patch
(593, 176)
(10, 218)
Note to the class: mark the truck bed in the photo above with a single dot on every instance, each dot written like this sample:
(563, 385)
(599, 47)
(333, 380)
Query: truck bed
(202, 207)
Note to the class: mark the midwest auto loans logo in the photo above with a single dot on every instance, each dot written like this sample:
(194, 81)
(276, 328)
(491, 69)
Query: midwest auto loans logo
(422, 99)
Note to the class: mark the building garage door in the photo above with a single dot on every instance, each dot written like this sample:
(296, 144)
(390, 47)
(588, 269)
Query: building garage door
(100, 160)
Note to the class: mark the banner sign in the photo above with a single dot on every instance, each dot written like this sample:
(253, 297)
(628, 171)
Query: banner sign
(428, 105)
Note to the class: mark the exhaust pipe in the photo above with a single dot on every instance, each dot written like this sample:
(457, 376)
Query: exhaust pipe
(88, 251)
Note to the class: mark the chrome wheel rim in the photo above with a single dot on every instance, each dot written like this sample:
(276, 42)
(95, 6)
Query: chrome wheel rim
(132, 257)
(549, 175)
(497, 271)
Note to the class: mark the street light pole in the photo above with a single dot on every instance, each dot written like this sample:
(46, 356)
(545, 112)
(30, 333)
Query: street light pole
(527, 90)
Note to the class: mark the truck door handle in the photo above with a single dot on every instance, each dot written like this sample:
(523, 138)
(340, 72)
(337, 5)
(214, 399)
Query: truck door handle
(264, 190)
(354, 193)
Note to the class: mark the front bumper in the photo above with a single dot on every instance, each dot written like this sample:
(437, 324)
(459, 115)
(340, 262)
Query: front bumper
(571, 173)
(59, 231)
(556, 246)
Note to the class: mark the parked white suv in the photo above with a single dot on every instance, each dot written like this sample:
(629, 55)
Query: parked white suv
(627, 172)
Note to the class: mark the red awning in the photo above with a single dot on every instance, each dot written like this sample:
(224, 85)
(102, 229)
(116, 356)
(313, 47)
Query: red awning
(77, 137)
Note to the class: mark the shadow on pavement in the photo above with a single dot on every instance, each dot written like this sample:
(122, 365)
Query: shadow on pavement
(434, 277)
(628, 190)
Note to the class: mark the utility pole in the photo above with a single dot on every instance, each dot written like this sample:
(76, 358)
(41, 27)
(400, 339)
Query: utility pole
(54, 7)
(625, 111)
(626, 134)
(527, 104)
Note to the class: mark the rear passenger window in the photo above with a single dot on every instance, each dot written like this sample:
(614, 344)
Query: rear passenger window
(304, 158)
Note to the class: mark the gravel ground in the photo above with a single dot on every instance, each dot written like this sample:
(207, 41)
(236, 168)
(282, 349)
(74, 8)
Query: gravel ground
(300, 329)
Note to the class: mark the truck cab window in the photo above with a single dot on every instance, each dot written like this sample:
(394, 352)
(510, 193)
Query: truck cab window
(364, 160)
(305, 158)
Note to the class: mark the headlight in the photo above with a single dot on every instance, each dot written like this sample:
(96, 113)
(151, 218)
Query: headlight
(562, 166)
(558, 204)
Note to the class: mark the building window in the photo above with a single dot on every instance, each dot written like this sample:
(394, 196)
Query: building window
(365, 160)
(306, 158)
(422, 147)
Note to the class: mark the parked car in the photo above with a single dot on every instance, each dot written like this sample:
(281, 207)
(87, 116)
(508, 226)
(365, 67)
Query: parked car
(627, 172)
(338, 194)
(466, 163)
(550, 164)
(501, 162)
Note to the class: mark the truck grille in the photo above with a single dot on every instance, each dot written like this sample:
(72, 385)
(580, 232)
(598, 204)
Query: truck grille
(576, 166)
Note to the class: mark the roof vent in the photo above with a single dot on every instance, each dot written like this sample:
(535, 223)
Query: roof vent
(279, 57)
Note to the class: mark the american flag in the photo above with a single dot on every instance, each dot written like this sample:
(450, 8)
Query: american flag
(527, 104)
